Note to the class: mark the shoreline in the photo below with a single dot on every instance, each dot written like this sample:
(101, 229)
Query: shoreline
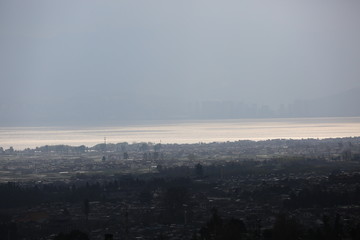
(183, 132)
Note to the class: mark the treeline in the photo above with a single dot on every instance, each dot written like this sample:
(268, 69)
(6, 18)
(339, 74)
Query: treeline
(102, 147)
(15, 195)
(285, 227)
(320, 196)
(348, 148)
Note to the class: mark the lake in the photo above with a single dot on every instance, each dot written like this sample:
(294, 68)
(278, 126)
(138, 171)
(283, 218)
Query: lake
(183, 132)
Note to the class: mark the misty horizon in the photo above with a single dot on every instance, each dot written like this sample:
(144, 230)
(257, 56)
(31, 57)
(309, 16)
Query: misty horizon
(339, 105)
(73, 63)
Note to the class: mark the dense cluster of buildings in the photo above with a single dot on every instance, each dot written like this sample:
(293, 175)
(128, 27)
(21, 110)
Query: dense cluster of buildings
(170, 191)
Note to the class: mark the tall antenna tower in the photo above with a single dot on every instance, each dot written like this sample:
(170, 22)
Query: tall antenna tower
(104, 150)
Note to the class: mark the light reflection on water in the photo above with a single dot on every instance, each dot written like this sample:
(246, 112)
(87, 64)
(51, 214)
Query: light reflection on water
(183, 132)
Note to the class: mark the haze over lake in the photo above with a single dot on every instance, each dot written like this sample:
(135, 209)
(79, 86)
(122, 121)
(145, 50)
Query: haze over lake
(182, 132)
(71, 63)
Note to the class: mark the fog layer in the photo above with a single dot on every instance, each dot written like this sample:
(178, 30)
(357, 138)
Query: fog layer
(98, 62)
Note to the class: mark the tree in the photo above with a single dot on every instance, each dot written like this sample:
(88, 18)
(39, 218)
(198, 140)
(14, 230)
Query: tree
(174, 201)
(73, 235)
(199, 171)
(157, 147)
(10, 150)
(175, 197)
(217, 228)
(144, 147)
(108, 236)
(215, 224)
(8, 229)
(234, 229)
(81, 149)
(86, 209)
(124, 146)
(159, 167)
(286, 228)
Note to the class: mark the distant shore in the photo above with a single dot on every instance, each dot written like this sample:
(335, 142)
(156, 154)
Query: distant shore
(182, 132)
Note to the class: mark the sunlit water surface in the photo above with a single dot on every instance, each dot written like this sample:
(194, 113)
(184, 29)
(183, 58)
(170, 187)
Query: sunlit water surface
(183, 132)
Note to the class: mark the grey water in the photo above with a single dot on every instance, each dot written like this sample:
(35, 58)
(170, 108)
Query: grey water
(182, 132)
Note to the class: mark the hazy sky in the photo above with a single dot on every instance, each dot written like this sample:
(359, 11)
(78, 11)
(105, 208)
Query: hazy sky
(71, 59)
